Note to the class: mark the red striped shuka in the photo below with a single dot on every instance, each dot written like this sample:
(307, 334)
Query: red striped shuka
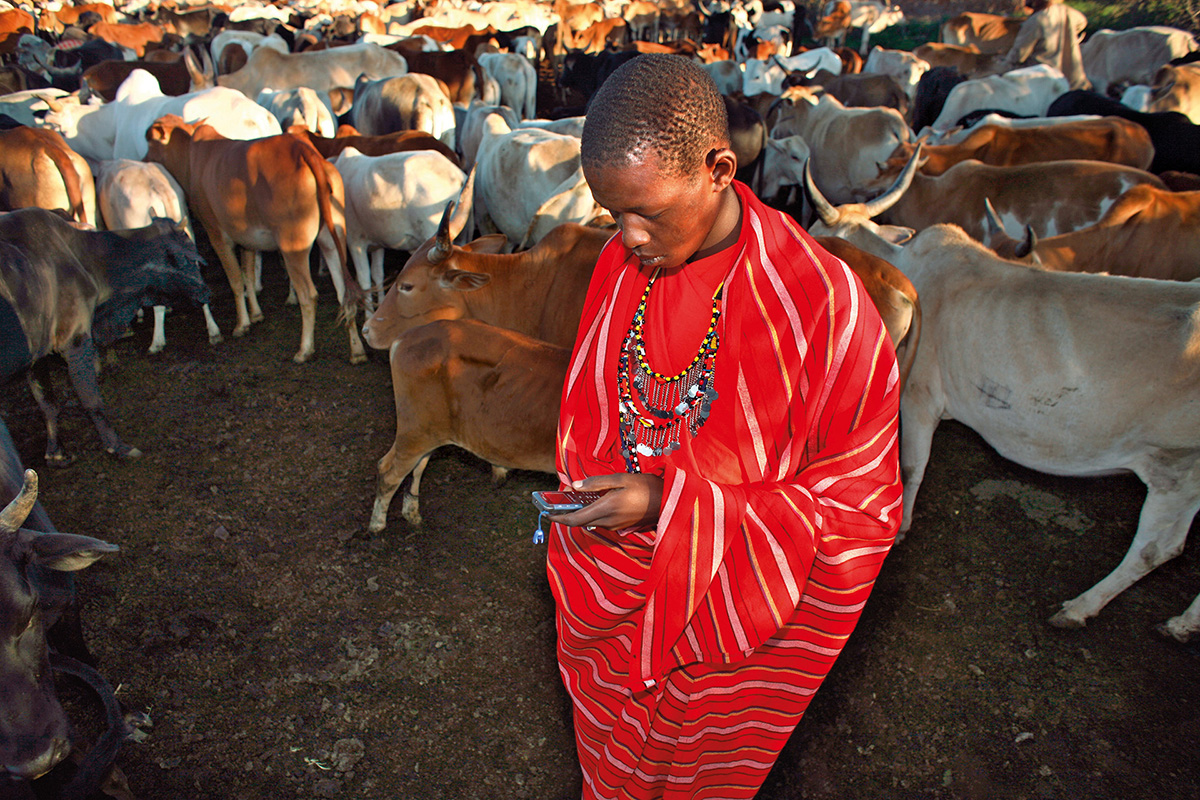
(691, 651)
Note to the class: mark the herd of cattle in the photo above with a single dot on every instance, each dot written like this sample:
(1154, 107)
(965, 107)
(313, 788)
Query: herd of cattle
(1031, 249)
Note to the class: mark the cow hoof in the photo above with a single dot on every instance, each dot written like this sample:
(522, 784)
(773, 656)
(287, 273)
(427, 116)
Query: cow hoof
(59, 460)
(301, 357)
(256, 317)
(155, 349)
(358, 358)
(123, 451)
(1064, 620)
(1171, 629)
(215, 340)
(240, 330)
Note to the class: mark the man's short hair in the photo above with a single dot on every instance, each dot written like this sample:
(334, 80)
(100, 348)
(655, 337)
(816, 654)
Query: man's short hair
(658, 103)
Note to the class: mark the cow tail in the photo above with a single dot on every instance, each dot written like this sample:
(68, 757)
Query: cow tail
(911, 342)
(72, 181)
(354, 294)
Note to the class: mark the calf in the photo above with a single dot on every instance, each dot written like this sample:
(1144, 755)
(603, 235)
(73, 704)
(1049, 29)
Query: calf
(67, 289)
(491, 391)
(275, 193)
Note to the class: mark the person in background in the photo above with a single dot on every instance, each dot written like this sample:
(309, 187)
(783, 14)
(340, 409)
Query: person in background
(1051, 36)
(733, 389)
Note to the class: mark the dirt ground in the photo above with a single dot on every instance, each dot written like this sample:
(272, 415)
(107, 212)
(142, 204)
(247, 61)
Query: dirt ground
(278, 655)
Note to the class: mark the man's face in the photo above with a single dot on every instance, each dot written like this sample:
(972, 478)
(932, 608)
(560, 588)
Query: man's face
(664, 217)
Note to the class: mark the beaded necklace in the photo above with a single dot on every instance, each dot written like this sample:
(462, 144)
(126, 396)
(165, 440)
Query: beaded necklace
(652, 418)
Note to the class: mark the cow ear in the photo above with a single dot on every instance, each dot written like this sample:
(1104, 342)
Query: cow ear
(465, 281)
(64, 552)
(896, 234)
(492, 244)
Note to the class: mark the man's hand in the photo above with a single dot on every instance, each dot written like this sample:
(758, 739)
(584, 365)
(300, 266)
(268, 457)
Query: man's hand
(633, 502)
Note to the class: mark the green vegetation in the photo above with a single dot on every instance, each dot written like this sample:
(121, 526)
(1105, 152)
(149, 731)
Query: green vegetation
(1121, 14)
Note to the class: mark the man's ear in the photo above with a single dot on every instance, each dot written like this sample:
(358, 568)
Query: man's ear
(722, 166)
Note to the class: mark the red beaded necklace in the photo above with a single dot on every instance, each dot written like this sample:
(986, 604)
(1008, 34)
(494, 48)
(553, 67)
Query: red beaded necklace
(652, 418)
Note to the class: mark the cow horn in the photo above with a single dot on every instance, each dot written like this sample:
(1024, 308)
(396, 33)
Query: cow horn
(466, 200)
(1026, 247)
(827, 213)
(443, 242)
(14, 514)
(52, 103)
(992, 223)
(896, 191)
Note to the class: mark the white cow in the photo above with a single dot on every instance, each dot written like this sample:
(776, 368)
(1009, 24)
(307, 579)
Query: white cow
(727, 75)
(766, 76)
(850, 145)
(1028, 91)
(247, 41)
(782, 166)
(905, 67)
(412, 102)
(1065, 373)
(518, 172)
(335, 68)
(302, 106)
(131, 194)
(1131, 56)
(517, 79)
(140, 101)
(395, 202)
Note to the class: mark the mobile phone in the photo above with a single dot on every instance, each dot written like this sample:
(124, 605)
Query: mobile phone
(562, 502)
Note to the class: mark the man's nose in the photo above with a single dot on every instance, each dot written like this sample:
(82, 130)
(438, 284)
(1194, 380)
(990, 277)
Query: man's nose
(633, 235)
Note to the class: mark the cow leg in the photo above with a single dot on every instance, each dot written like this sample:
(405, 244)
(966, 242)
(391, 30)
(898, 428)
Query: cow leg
(296, 262)
(332, 258)
(1172, 501)
(919, 425)
(81, 366)
(393, 468)
(499, 474)
(376, 280)
(251, 261)
(362, 269)
(42, 388)
(223, 246)
(159, 340)
(1185, 626)
(214, 331)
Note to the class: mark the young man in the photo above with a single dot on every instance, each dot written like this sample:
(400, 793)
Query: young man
(734, 390)
(1051, 36)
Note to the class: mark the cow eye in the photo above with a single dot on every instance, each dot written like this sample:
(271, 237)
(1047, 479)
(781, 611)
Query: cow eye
(406, 287)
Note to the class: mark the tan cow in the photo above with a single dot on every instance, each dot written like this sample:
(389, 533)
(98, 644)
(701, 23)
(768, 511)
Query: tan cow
(1177, 88)
(38, 169)
(491, 391)
(275, 193)
(1052, 197)
(320, 70)
(1132, 56)
(1150, 232)
(965, 58)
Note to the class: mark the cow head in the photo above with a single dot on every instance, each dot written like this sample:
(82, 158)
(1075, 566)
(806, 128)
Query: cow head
(834, 221)
(33, 726)
(169, 142)
(1002, 243)
(436, 279)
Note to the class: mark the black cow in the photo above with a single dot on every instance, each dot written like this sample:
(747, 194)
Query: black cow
(585, 73)
(63, 289)
(36, 592)
(1176, 140)
(931, 94)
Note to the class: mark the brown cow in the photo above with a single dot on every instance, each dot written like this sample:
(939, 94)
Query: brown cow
(397, 142)
(14, 23)
(990, 33)
(965, 58)
(458, 70)
(58, 20)
(489, 390)
(134, 36)
(455, 37)
(1110, 139)
(1148, 233)
(174, 77)
(538, 292)
(275, 193)
(892, 293)
(39, 170)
